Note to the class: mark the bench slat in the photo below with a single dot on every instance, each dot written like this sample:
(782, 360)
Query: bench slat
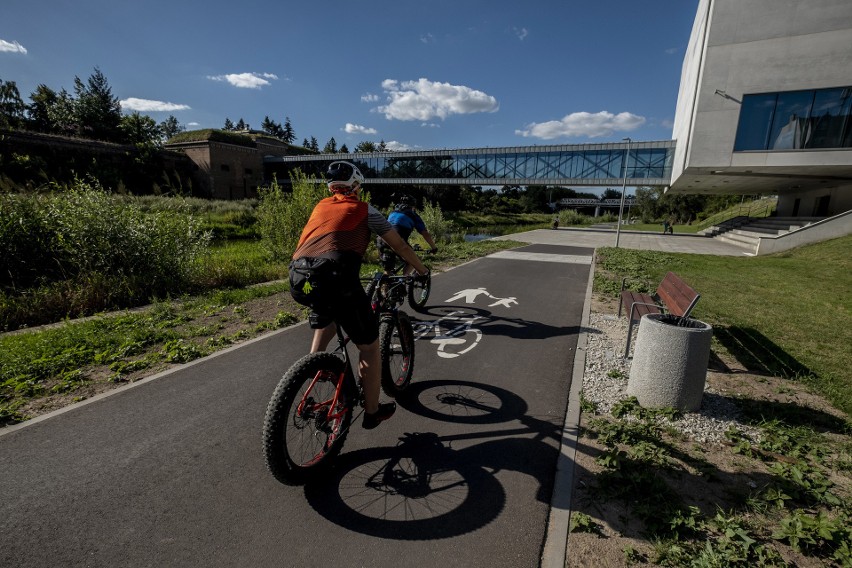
(676, 295)
(628, 298)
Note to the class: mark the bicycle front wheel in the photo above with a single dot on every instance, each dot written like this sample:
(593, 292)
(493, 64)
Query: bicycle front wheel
(305, 426)
(396, 339)
(418, 292)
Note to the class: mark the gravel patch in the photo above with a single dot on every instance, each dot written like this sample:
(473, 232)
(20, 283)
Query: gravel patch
(605, 384)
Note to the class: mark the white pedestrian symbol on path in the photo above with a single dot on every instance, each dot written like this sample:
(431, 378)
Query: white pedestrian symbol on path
(471, 294)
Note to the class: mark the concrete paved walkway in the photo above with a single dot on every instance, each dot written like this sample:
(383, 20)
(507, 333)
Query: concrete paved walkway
(642, 240)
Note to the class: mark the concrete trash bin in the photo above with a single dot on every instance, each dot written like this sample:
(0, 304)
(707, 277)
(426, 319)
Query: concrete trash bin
(670, 360)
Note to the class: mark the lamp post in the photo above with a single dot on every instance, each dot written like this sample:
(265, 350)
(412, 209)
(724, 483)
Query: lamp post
(623, 192)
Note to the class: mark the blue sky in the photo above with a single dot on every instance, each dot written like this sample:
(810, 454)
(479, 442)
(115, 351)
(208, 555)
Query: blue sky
(416, 74)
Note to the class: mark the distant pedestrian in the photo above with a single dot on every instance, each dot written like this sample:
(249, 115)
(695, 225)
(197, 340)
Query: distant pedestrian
(665, 226)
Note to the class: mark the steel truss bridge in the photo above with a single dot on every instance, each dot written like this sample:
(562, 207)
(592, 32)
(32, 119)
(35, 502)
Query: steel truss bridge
(588, 202)
(618, 163)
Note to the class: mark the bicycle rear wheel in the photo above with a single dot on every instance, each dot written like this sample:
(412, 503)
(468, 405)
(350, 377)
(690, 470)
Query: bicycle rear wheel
(305, 427)
(396, 339)
(418, 292)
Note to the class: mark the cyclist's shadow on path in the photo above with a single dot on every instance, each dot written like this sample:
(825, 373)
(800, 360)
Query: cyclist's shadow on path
(423, 488)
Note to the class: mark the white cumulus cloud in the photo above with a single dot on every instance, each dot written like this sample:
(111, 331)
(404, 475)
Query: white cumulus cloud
(145, 105)
(424, 100)
(583, 124)
(369, 98)
(12, 46)
(245, 80)
(358, 129)
(395, 146)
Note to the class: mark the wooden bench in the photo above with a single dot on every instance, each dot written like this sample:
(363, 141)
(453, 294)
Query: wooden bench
(673, 296)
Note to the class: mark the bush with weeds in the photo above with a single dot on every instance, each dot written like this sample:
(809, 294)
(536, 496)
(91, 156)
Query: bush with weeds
(440, 228)
(282, 215)
(82, 250)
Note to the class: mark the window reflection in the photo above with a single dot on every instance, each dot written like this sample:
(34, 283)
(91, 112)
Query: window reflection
(796, 120)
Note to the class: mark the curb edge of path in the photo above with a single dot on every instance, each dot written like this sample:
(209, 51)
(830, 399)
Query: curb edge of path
(555, 551)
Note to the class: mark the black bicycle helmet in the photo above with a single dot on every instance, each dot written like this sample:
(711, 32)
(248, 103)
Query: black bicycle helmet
(404, 202)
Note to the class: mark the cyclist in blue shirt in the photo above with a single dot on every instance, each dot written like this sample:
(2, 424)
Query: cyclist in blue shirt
(405, 220)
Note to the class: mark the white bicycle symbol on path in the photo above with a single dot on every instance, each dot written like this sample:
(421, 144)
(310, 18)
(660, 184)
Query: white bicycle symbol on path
(450, 333)
(454, 333)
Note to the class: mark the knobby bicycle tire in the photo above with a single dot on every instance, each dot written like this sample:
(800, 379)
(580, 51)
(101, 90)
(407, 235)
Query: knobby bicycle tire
(396, 340)
(370, 290)
(418, 292)
(298, 445)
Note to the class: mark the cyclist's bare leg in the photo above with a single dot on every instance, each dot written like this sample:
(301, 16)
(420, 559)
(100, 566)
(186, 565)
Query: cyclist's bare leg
(370, 373)
(322, 337)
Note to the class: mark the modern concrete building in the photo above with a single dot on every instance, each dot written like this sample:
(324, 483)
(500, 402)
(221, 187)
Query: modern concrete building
(765, 104)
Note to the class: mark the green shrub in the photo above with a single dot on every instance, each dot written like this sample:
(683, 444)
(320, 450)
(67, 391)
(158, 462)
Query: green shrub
(439, 227)
(82, 250)
(281, 215)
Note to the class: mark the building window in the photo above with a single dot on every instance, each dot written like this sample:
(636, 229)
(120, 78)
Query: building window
(796, 120)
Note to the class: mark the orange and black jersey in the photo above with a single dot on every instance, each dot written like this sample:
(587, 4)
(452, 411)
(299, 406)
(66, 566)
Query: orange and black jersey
(339, 228)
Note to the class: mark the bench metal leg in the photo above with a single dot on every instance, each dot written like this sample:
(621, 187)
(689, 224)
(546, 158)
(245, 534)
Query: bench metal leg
(629, 335)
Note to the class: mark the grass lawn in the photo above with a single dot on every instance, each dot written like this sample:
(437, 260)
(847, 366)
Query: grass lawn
(788, 314)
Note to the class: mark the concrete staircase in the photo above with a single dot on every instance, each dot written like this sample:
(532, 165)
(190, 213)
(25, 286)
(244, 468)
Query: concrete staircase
(745, 232)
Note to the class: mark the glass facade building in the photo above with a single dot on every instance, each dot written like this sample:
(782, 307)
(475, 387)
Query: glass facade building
(795, 120)
(648, 163)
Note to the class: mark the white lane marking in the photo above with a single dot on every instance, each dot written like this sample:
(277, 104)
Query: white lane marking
(542, 257)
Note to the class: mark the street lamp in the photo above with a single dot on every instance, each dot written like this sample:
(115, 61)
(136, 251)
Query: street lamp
(623, 192)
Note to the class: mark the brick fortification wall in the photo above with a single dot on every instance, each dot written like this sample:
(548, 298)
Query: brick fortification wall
(29, 160)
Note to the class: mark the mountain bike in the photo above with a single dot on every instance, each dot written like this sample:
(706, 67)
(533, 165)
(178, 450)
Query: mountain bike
(417, 290)
(310, 412)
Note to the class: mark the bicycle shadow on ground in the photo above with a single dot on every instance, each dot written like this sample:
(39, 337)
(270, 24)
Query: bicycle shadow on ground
(424, 488)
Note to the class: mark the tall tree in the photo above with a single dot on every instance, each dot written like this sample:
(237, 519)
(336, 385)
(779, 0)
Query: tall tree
(228, 124)
(314, 145)
(271, 127)
(366, 146)
(382, 147)
(11, 106)
(288, 134)
(98, 110)
(344, 149)
(171, 127)
(330, 146)
(241, 125)
(63, 115)
(44, 99)
(140, 130)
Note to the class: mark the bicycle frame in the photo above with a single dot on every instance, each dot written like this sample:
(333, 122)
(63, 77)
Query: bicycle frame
(347, 375)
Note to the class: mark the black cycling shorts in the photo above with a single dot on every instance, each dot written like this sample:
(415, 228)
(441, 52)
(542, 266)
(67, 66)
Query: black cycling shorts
(334, 293)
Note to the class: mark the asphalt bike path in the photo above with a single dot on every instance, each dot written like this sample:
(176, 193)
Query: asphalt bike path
(170, 472)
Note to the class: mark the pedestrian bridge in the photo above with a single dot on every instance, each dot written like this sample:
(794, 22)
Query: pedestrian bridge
(629, 163)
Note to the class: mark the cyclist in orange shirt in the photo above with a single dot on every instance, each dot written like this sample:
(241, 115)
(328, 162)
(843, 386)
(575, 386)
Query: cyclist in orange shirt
(325, 276)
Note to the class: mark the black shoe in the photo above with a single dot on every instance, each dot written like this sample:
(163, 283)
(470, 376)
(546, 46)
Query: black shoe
(384, 412)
